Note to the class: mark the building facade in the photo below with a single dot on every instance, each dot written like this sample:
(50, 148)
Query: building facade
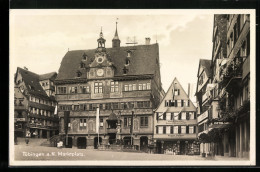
(203, 110)
(34, 104)
(175, 123)
(115, 80)
(229, 91)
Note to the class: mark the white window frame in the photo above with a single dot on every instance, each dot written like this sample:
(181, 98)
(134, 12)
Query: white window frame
(191, 115)
(176, 116)
(160, 129)
(175, 129)
(168, 129)
(183, 129)
(134, 87)
(168, 116)
(148, 86)
(183, 116)
(191, 129)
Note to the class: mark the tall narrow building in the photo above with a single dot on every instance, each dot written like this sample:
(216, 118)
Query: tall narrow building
(175, 123)
(34, 104)
(227, 95)
(117, 81)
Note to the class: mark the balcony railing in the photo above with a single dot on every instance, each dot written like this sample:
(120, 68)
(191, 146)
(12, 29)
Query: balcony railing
(111, 130)
(232, 70)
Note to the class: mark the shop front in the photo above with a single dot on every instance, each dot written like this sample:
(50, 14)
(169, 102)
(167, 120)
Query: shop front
(178, 147)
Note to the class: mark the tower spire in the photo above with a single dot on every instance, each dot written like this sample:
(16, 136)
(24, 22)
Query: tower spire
(116, 41)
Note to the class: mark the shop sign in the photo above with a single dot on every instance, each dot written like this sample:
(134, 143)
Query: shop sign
(19, 119)
(219, 124)
(203, 116)
(175, 135)
(179, 122)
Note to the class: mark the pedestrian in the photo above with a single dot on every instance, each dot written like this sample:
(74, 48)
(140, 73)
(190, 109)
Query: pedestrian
(28, 135)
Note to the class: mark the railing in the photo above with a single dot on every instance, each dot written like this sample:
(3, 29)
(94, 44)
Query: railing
(233, 69)
(111, 130)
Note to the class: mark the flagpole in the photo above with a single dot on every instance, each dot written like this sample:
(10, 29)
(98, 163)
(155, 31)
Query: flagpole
(97, 124)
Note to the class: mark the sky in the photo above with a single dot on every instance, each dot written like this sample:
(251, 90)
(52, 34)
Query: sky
(39, 39)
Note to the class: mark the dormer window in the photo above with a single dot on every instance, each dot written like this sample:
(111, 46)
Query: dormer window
(125, 70)
(79, 74)
(82, 65)
(84, 57)
(129, 53)
(127, 61)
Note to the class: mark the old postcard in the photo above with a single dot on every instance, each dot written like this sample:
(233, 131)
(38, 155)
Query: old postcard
(132, 87)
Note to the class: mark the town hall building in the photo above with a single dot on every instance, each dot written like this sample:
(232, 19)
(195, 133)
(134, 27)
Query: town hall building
(124, 83)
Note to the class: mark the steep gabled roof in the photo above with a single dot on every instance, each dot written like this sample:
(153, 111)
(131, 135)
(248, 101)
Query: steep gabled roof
(32, 83)
(51, 76)
(205, 63)
(169, 95)
(142, 61)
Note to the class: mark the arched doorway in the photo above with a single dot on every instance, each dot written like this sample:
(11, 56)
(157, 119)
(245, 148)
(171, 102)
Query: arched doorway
(81, 143)
(69, 142)
(96, 142)
(144, 143)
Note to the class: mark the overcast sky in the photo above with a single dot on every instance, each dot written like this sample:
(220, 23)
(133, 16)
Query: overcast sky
(39, 40)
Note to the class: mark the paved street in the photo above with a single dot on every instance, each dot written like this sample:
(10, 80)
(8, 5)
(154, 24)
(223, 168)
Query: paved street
(23, 152)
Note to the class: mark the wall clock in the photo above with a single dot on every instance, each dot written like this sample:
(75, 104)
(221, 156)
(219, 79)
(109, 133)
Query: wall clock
(100, 72)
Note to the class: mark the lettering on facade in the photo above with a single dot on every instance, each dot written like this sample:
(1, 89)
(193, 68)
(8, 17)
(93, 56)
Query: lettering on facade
(203, 116)
(19, 119)
(221, 123)
(175, 135)
(176, 122)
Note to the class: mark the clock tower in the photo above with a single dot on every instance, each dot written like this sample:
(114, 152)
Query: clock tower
(101, 66)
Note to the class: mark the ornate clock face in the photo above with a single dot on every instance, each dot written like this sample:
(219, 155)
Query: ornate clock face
(100, 59)
(100, 72)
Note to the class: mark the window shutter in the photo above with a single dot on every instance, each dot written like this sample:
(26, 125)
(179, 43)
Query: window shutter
(171, 129)
(179, 129)
(178, 91)
(179, 116)
(170, 103)
(195, 115)
(156, 129)
(187, 116)
(187, 129)
(164, 116)
(194, 129)
(176, 104)
(165, 103)
(157, 116)
(172, 114)
(164, 129)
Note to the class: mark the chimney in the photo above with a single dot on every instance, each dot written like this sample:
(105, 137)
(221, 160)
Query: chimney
(189, 90)
(147, 41)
